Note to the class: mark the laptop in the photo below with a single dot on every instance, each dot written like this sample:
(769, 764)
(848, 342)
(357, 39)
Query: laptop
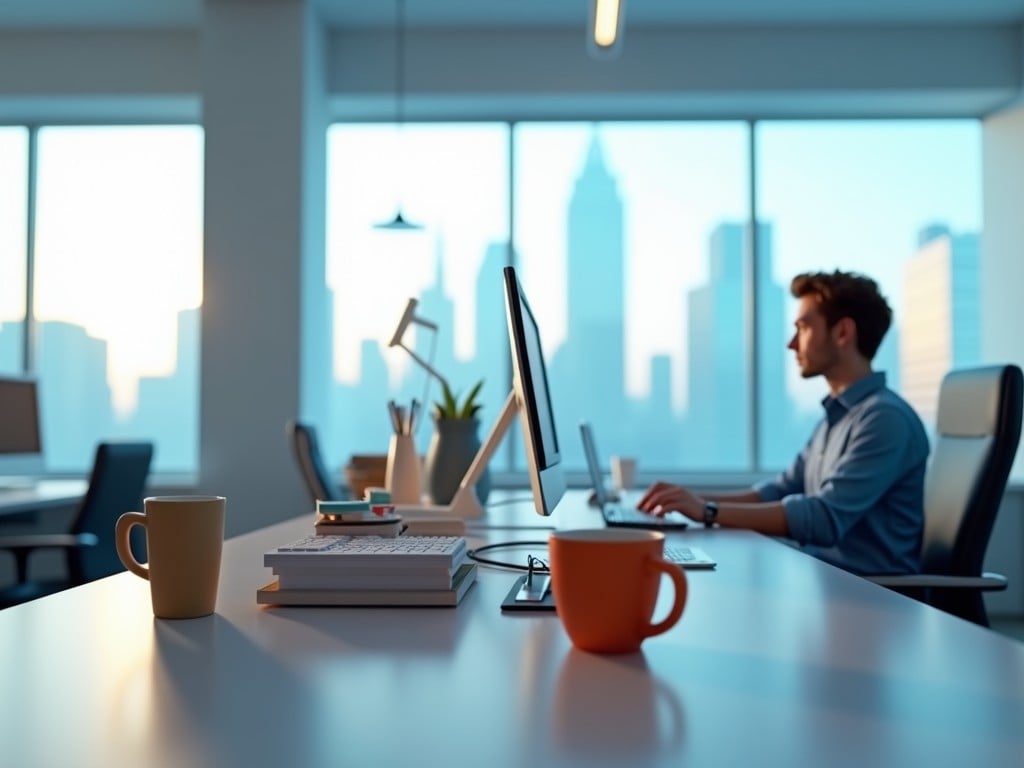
(622, 513)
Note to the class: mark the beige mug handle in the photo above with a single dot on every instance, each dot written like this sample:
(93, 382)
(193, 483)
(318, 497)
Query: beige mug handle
(679, 583)
(124, 547)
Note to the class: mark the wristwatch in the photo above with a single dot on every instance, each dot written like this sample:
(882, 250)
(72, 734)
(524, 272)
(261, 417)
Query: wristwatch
(710, 513)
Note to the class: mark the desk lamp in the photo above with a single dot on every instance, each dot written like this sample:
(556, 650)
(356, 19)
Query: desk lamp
(409, 317)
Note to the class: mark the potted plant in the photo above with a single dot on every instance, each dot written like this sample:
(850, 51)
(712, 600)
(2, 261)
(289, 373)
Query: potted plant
(454, 445)
(450, 408)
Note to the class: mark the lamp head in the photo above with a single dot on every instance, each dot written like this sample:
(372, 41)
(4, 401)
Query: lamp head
(408, 316)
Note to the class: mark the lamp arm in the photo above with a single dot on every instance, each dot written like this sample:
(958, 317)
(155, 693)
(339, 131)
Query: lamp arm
(426, 366)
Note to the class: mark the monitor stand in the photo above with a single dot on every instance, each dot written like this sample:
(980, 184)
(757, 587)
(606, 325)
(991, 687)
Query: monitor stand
(465, 504)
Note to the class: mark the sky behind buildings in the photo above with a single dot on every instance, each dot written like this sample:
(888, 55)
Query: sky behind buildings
(119, 224)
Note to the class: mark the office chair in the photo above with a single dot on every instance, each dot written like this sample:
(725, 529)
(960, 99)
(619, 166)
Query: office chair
(977, 431)
(311, 464)
(116, 486)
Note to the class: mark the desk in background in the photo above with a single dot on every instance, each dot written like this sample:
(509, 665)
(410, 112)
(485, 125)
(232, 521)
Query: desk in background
(779, 659)
(41, 495)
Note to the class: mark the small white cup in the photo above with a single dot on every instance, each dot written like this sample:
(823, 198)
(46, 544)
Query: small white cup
(623, 472)
(402, 477)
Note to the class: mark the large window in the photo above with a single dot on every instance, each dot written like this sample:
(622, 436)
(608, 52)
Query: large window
(117, 275)
(451, 181)
(898, 201)
(634, 243)
(626, 237)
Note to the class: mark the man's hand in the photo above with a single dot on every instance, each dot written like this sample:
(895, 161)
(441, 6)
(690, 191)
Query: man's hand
(665, 497)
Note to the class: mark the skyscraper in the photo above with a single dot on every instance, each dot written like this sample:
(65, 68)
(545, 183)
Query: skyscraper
(593, 356)
(941, 329)
(720, 378)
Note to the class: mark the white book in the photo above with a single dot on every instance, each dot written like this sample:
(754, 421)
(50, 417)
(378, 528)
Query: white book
(273, 594)
(365, 578)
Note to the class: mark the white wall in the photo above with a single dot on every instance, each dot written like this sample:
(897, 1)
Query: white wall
(263, 189)
(525, 73)
(724, 72)
(95, 75)
(1002, 276)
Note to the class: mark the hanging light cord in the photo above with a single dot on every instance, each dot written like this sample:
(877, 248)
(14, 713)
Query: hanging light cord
(399, 60)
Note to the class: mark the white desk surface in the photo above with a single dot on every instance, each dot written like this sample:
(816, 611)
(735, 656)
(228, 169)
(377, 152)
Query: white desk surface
(778, 660)
(44, 494)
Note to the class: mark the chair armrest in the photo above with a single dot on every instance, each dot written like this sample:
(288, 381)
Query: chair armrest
(23, 546)
(987, 582)
(40, 540)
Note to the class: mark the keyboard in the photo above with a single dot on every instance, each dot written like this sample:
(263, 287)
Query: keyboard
(625, 516)
(688, 557)
(375, 544)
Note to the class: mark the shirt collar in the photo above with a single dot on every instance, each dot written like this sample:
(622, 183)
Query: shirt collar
(856, 392)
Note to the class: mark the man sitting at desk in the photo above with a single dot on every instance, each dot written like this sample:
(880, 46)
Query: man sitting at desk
(854, 495)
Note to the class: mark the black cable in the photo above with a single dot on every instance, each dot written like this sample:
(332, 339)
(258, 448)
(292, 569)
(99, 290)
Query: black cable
(474, 554)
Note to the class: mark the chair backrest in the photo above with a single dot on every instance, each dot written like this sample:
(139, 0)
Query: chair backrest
(977, 431)
(311, 464)
(116, 486)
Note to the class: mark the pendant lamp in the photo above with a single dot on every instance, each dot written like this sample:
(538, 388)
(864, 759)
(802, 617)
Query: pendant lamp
(399, 222)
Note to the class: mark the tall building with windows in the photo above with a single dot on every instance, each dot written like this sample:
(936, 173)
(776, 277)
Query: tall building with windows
(941, 328)
(73, 418)
(719, 378)
(176, 432)
(593, 355)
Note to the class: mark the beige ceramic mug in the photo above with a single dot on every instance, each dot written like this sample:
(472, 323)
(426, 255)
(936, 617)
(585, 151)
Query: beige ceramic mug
(184, 535)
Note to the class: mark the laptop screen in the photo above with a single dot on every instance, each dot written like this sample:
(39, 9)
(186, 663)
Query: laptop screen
(593, 464)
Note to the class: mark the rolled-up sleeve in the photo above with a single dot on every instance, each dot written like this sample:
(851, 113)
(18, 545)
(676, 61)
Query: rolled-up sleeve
(786, 483)
(874, 456)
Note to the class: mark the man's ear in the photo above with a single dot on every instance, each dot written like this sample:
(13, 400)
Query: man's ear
(844, 332)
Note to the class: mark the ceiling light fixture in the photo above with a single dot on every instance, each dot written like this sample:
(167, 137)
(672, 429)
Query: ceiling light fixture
(399, 222)
(604, 32)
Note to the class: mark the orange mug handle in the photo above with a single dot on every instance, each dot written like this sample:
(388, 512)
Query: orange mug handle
(679, 583)
(124, 547)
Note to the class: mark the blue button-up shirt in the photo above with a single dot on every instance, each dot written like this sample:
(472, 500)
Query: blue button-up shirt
(855, 495)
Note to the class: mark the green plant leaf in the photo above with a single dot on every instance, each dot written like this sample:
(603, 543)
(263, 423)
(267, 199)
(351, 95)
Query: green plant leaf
(448, 406)
(470, 407)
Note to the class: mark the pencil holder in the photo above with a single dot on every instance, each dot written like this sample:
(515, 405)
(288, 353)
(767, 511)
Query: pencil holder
(402, 478)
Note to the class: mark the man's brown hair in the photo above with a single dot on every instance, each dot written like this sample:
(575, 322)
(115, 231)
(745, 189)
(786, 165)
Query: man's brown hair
(847, 294)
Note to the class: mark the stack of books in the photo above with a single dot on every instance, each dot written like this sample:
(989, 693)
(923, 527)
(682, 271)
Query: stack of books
(369, 570)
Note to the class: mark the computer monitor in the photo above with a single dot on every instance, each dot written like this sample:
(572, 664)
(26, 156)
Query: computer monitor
(530, 398)
(533, 396)
(21, 444)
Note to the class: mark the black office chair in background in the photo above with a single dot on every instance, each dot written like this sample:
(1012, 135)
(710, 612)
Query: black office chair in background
(977, 431)
(116, 485)
(311, 464)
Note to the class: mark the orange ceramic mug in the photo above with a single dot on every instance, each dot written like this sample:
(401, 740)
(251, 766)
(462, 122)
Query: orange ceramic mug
(184, 536)
(606, 584)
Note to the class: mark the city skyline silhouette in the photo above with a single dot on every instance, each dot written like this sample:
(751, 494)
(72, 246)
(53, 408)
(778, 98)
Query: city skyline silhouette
(707, 429)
